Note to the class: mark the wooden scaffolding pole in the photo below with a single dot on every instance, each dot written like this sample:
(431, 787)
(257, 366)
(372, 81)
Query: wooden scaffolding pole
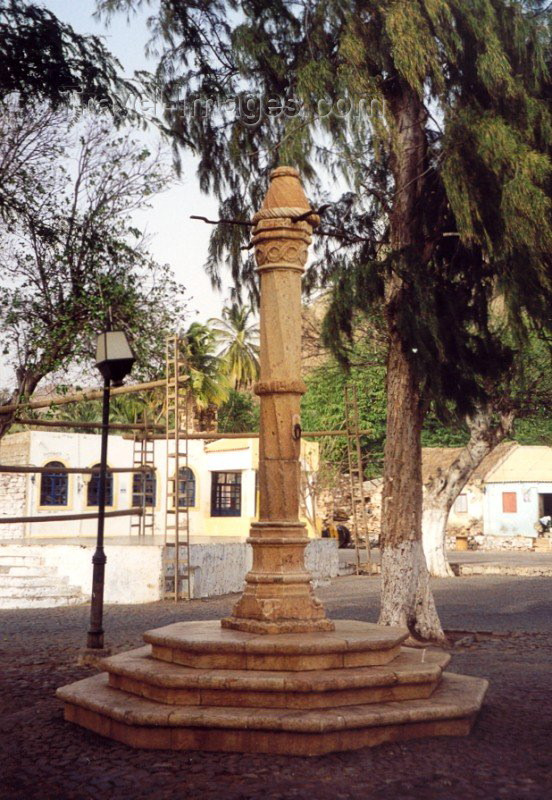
(113, 426)
(29, 469)
(77, 397)
(69, 517)
(252, 435)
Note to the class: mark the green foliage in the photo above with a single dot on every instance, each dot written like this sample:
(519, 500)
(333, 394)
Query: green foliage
(45, 60)
(436, 434)
(449, 184)
(323, 408)
(534, 430)
(238, 341)
(526, 391)
(73, 261)
(239, 413)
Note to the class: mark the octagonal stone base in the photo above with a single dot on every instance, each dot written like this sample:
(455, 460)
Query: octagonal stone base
(208, 645)
(197, 686)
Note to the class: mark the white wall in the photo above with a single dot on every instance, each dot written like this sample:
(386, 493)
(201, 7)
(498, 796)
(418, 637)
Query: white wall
(135, 573)
(521, 523)
(475, 503)
(78, 450)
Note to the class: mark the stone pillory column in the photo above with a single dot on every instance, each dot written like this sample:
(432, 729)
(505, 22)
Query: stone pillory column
(278, 595)
(308, 687)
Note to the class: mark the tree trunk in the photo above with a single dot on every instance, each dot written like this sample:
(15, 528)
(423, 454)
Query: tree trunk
(406, 598)
(26, 384)
(443, 488)
(434, 523)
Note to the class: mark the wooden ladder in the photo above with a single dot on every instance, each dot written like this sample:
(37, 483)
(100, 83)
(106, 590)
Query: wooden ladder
(356, 476)
(177, 516)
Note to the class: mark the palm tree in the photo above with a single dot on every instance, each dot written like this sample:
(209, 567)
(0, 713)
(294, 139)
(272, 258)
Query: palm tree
(208, 382)
(239, 342)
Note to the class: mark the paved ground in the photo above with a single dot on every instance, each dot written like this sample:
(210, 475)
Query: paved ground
(507, 756)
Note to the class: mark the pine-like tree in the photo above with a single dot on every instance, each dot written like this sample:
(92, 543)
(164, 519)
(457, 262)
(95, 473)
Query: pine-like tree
(45, 61)
(448, 188)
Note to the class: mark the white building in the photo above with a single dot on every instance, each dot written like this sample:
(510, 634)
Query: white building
(49, 563)
(219, 488)
(518, 492)
(505, 496)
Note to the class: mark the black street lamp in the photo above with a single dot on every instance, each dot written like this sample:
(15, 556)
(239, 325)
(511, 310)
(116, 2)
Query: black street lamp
(114, 359)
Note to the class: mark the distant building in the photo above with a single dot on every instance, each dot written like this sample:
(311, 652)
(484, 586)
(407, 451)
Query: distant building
(467, 511)
(506, 495)
(500, 505)
(518, 491)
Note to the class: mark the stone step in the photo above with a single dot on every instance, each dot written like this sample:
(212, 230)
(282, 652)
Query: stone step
(208, 645)
(25, 581)
(51, 589)
(414, 673)
(27, 571)
(16, 559)
(139, 722)
(44, 601)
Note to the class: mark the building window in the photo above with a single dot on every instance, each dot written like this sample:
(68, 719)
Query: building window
(226, 494)
(93, 490)
(186, 488)
(509, 502)
(144, 489)
(461, 504)
(54, 485)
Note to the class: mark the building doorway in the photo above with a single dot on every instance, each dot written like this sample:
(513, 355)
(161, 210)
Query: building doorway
(545, 505)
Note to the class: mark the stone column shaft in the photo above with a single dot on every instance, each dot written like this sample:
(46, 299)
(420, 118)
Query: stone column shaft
(278, 595)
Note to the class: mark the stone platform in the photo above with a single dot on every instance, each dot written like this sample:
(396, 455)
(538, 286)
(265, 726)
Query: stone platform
(197, 686)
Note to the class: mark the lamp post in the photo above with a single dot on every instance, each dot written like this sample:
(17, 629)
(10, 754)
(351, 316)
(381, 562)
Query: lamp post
(114, 359)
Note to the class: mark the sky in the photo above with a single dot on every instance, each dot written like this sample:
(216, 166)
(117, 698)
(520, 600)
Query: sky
(173, 237)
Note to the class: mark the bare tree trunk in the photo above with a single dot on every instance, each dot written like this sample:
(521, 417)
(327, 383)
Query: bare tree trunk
(443, 488)
(434, 523)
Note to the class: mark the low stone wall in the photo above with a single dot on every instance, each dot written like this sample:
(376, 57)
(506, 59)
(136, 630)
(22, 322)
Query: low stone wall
(220, 568)
(134, 573)
(495, 543)
(14, 451)
(322, 560)
(505, 542)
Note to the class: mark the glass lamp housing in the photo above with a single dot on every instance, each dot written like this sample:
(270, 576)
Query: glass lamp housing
(114, 357)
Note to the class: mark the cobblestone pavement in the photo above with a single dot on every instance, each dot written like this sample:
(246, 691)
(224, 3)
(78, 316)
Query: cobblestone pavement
(508, 754)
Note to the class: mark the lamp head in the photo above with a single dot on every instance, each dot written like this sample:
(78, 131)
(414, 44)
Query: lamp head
(114, 357)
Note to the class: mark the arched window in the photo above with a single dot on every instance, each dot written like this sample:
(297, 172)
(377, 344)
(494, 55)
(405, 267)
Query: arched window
(53, 485)
(186, 488)
(93, 490)
(144, 489)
